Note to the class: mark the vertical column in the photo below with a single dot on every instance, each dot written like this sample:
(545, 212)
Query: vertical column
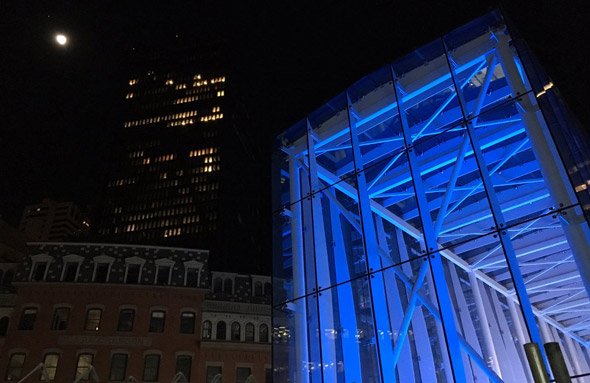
(346, 304)
(376, 280)
(485, 325)
(505, 241)
(300, 314)
(322, 264)
(574, 225)
(441, 288)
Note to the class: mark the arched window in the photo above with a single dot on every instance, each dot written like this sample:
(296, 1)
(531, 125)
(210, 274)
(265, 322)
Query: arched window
(4, 325)
(258, 289)
(228, 286)
(249, 332)
(235, 331)
(206, 333)
(263, 333)
(221, 327)
(8, 277)
(217, 285)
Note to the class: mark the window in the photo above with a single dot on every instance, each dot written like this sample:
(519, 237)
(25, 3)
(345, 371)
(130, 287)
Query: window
(126, 319)
(50, 362)
(157, 321)
(267, 288)
(4, 321)
(258, 289)
(263, 335)
(192, 277)
(187, 322)
(163, 276)
(70, 272)
(39, 271)
(228, 286)
(242, 373)
(151, 368)
(206, 330)
(235, 331)
(133, 273)
(83, 366)
(102, 273)
(93, 319)
(249, 332)
(212, 373)
(183, 365)
(14, 369)
(60, 318)
(217, 285)
(118, 367)
(27, 319)
(221, 327)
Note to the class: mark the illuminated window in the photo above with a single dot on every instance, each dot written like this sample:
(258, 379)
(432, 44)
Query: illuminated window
(133, 81)
(169, 82)
(83, 366)
(93, 317)
(50, 362)
(14, 369)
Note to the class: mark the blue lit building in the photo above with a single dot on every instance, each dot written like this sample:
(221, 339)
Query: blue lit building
(432, 219)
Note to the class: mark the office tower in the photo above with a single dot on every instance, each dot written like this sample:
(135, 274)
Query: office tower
(52, 221)
(178, 178)
(431, 220)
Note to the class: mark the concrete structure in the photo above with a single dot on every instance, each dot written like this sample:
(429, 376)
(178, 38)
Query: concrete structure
(52, 221)
(431, 220)
(120, 312)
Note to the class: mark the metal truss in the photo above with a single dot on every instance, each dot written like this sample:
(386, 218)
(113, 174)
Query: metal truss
(429, 228)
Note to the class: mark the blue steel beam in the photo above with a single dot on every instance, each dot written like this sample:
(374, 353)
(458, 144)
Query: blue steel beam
(500, 222)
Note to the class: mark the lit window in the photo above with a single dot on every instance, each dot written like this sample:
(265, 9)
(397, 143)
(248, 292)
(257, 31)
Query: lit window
(60, 318)
(169, 82)
(133, 81)
(83, 366)
(93, 317)
(14, 369)
(157, 321)
(50, 365)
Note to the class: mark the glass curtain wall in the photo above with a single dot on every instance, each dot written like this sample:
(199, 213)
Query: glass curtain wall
(429, 221)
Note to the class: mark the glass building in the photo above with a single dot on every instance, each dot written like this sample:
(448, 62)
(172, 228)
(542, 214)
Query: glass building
(431, 220)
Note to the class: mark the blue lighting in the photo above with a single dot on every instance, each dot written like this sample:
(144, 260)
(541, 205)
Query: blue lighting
(428, 228)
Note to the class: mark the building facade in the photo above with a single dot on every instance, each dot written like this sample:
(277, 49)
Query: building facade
(53, 221)
(182, 165)
(134, 313)
(431, 220)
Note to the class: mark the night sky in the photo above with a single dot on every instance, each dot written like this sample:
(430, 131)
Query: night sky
(61, 107)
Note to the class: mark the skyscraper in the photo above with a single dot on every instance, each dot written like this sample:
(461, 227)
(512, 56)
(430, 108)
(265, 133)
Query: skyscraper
(52, 221)
(175, 172)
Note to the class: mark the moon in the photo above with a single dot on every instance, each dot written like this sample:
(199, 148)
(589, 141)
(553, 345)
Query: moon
(61, 39)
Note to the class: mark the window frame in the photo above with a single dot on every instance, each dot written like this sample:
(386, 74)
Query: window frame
(266, 332)
(124, 371)
(21, 323)
(251, 326)
(145, 359)
(194, 320)
(209, 328)
(54, 368)
(133, 261)
(193, 265)
(160, 264)
(9, 365)
(152, 319)
(221, 322)
(190, 365)
(101, 260)
(88, 310)
(54, 318)
(71, 258)
(126, 309)
(78, 359)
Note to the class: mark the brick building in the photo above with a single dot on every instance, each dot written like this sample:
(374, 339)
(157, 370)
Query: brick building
(135, 313)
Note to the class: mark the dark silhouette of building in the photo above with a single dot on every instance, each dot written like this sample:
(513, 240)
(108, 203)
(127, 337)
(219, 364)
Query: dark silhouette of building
(53, 221)
(181, 175)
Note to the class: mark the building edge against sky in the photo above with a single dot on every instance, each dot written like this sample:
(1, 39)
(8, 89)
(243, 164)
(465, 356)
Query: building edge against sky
(431, 220)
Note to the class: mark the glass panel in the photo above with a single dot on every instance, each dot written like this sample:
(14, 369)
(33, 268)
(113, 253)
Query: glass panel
(50, 364)
(83, 366)
(183, 365)
(187, 323)
(151, 368)
(296, 345)
(213, 372)
(93, 319)
(60, 318)
(118, 367)
(102, 272)
(157, 321)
